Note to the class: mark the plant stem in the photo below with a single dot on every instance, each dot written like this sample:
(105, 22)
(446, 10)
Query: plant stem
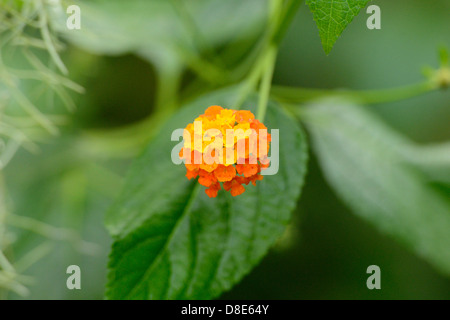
(54, 233)
(266, 82)
(46, 36)
(5, 264)
(300, 95)
(269, 55)
(289, 11)
(3, 213)
(264, 64)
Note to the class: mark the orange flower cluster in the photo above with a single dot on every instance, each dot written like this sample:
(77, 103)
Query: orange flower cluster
(225, 146)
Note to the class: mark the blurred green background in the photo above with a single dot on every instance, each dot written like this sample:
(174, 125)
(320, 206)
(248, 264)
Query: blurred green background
(326, 251)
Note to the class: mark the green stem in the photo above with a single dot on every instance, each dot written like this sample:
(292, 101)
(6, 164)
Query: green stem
(301, 95)
(288, 15)
(263, 67)
(269, 56)
(53, 233)
(3, 213)
(46, 36)
(5, 264)
(266, 82)
(249, 84)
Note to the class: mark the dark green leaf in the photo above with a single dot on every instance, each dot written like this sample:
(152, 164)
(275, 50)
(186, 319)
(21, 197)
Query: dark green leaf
(333, 16)
(174, 242)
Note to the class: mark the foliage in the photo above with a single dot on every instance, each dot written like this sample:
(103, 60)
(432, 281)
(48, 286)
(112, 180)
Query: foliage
(372, 170)
(169, 240)
(333, 16)
(196, 247)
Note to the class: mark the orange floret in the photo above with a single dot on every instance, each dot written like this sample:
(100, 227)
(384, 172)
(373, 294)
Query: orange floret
(213, 111)
(234, 169)
(206, 178)
(247, 170)
(234, 186)
(225, 173)
(254, 178)
(208, 167)
(244, 116)
(213, 190)
(191, 174)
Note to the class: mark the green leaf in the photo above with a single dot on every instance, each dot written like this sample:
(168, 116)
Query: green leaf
(160, 30)
(333, 16)
(433, 161)
(370, 168)
(174, 242)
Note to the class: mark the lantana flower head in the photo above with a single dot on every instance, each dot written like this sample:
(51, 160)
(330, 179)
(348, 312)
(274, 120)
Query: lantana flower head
(225, 148)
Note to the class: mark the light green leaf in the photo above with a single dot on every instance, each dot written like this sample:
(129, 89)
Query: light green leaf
(370, 168)
(160, 30)
(433, 161)
(174, 242)
(333, 16)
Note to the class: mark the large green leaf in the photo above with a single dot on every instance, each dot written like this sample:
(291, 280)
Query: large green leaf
(160, 30)
(173, 242)
(333, 16)
(433, 161)
(370, 168)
